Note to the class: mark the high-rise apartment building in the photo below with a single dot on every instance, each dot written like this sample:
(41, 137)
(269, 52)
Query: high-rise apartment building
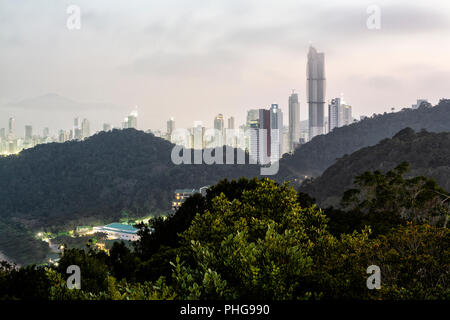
(231, 123)
(347, 114)
(264, 142)
(219, 122)
(339, 114)
(28, 133)
(258, 124)
(63, 135)
(334, 114)
(170, 128)
(294, 122)
(198, 135)
(77, 134)
(316, 91)
(276, 133)
(219, 128)
(132, 120)
(85, 129)
(11, 127)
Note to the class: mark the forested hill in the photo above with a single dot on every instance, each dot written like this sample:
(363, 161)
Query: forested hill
(78, 182)
(322, 151)
(427, 153)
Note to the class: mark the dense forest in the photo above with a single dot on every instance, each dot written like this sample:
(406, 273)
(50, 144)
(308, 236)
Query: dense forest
(256, 239)
(314, 157)
(57, 186)
(427, 153)
(53, 184)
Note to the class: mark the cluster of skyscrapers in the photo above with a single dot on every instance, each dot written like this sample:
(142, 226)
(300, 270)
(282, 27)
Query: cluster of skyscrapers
(11, 143)
(264, 134)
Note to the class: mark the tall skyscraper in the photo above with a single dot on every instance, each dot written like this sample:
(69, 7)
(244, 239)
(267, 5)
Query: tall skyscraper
(294, 121)
(334, 114)
(347, 114)
(316, 91)
(2, 134)
(85, 129)
(77, 134)
(231, 123)
(170, 128)
(125, 123)
(11, 126)
(259, 123)
(264, 142)
(198, 135)
(219, 122)
(219, 126)
(252, 126)
(132, 120)
(28, 133)
(231, 138)
(339, 114)
(276, 132)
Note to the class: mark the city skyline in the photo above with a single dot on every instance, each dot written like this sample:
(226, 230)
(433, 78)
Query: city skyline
(236, 56)
(277, 139)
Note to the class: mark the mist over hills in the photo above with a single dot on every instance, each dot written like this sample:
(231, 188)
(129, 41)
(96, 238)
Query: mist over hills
(427, 153)
(312, 158)
(57, 112)
(50, 101)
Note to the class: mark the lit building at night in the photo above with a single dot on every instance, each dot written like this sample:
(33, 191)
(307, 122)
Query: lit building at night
(181, 195)
(118, 231)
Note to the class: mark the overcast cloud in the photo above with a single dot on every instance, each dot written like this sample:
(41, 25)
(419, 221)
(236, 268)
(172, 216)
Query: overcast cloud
(192, 59)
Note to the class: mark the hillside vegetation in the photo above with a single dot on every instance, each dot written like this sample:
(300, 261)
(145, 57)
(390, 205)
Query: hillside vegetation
(56, 186)
(257, 240)
(427, 153)
(314, 157)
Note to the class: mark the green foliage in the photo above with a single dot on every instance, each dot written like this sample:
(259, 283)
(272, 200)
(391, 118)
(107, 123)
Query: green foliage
(122, 174)
(386, 200)
(23, 283)
(256, 239)
(415, 262)
(427, 153)
(18, 243)
(259, 245)
(94, 271)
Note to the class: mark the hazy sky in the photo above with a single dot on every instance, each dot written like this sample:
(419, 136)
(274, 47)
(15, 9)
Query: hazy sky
(192, 59)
